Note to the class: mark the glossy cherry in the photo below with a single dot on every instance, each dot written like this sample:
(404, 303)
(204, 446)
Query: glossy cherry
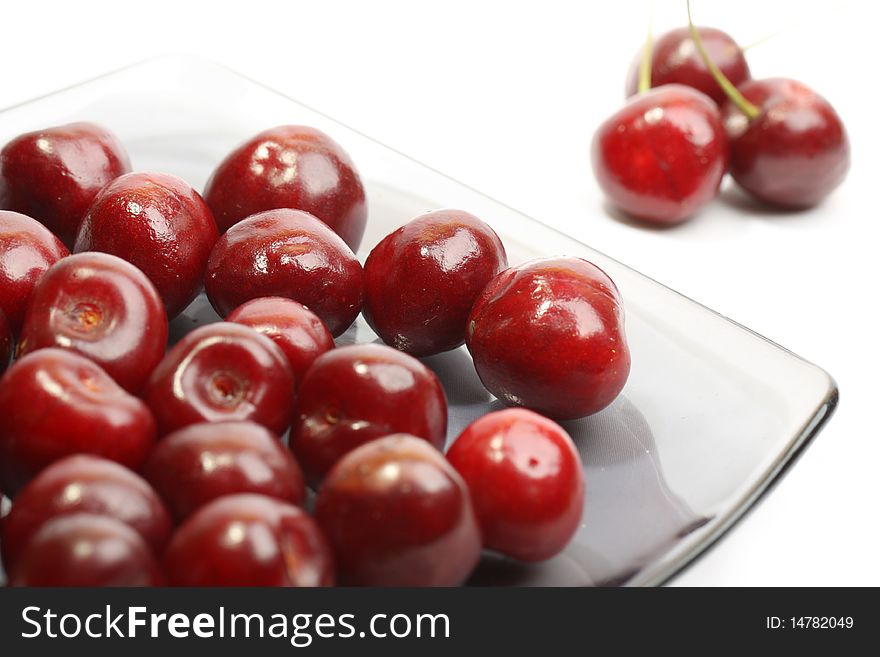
(291, 254)
(86, 550)
(676, 60)
(218, 372)
(355, 394)
(55, 403)
(662, 156)
(5, 342)
(421, 281)
(794, 152)
(158, 223)
(397, 514)
(297, 331)
(202, 462)
(85, 484)
(249, 540)
(549, 335)
(526, 482)
(54, 174)
(290, 167)
(104, 308)
(27, 250)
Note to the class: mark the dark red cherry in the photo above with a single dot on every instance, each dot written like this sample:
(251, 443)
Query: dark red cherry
(795, 152)
(220, 372)
(421, 281)
(355, 394)
(662, 156)
(249, 540)
(295, 167)
(85, 484)
(297, 331)
(158, 223)
(286, 253)
(86, 550)
(549, 335)
(103, 308)
(55, 403)
(27, 250)
(526, 482)
(202, 462)
(54, 174)
(676, 60)
(397, 514)
(5, 342)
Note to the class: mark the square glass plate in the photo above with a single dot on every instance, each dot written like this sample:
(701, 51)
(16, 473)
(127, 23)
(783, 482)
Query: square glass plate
(712, 413)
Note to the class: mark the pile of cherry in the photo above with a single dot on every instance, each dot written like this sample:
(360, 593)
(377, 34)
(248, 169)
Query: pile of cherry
(695, 114)
(130, 462)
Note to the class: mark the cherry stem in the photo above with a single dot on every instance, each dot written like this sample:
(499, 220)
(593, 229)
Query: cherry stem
(647, 60)
(761, 41)
(748, 108)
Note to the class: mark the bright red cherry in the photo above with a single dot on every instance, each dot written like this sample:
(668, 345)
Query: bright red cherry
(218, 372)
(526, 482)
(355, 394)
(397, 514)
(54, 174)
(549, 335)
(55, 403)
(249, 540)
(676, 60)
(290, 167)
(86, 550)
(202, 462)
(286, 253)
(662, 156)
(421, 281)
(85, 484)
(5, 342)
(794, 152)
(299, 332)
(27, 250)
(158, 223)
(103, 308)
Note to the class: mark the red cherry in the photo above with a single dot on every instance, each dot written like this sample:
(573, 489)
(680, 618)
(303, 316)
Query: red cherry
(421, 281)
(676, 60)
(202, 462)
(355, 394)
(5, 342)
(55, 403)
(27, 250)
(795, 152)
(286, 253)
(299, 332)
(548, 335)
(220, 372)
(662, 156)
(54, 174)
(86, 550)
(290, 167)
(526, 482)
(249, 540)
(397, 514)
(85, 484)
(158, 223)
(103, 308)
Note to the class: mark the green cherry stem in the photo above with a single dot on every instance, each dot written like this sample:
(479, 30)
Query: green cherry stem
(761, 41)
(647, 60)
(751, 110)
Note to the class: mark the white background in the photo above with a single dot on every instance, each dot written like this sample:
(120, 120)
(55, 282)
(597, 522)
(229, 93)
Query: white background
(505, 97)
